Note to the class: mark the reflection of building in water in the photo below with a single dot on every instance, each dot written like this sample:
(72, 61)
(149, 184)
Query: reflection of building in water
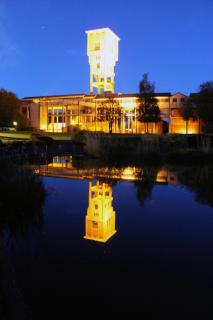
(100, 218)
(61, 162)
(63, 166)
(166, 176)
(129, 173)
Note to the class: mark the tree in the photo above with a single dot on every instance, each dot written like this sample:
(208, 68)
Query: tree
(148, 104)
(146, 179)
(188, 111)
(10, 110)
(109, 111)
(204, 103)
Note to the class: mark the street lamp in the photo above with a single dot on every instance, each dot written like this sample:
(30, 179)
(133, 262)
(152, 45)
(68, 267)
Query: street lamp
(15, 123)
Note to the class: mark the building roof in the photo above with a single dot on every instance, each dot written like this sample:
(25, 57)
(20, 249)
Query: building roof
(55, 96)
(182, 94)
(108, 30)
(96, 96)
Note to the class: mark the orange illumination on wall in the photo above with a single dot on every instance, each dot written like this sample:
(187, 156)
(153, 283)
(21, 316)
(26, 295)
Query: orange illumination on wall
(178, 125)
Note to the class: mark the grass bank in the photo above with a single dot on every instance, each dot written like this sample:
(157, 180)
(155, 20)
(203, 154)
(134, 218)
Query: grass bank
(168, 147)
(7, 137)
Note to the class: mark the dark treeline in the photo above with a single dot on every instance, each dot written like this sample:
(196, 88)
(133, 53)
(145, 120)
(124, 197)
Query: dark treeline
(10, 111)
(199, 106)
(195, 178)
(145, 183)
(198, 179)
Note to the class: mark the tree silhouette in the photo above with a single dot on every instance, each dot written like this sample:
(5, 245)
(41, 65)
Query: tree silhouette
(110, 111)
(144, 185)
(188, 111)
(204, 104)
(10, 110)
(148, 104)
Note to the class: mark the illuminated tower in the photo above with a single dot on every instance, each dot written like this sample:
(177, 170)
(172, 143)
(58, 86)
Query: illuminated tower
(102, 50)
(100, 218)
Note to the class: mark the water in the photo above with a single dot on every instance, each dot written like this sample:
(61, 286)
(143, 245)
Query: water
(150, 248)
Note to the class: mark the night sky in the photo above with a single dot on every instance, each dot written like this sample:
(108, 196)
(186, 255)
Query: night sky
(43, 44)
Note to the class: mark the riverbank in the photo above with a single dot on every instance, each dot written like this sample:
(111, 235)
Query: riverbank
(7, 137)
(114, 148)
(38, 151)
(149, 147)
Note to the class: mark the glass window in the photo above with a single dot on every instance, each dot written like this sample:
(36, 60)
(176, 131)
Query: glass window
(97, 46)
(174, 99)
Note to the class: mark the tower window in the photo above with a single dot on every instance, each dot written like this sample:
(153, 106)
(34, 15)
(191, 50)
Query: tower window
(95, 224)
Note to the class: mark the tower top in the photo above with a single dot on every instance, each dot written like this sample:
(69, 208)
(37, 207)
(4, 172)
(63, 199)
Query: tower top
(105, 30)
(102, 50)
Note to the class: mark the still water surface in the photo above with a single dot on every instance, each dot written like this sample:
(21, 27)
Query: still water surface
(131, 238)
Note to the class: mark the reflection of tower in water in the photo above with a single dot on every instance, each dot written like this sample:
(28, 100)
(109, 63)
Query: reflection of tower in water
(100, 218)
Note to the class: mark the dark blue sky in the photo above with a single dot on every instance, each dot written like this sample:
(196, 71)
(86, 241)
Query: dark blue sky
(43, 43)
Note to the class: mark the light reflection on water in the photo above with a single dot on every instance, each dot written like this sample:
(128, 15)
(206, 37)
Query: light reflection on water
(140, 233)
(100, 219)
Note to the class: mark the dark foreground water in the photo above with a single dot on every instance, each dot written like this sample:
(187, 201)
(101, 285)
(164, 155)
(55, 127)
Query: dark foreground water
(150, 249)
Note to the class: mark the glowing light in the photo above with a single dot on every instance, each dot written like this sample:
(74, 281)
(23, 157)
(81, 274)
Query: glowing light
(128, 104)
(61, 162)
(15, 123)
(162, 176)
(102, 50)
(128, 174)
(100, 218)
(43, 127)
